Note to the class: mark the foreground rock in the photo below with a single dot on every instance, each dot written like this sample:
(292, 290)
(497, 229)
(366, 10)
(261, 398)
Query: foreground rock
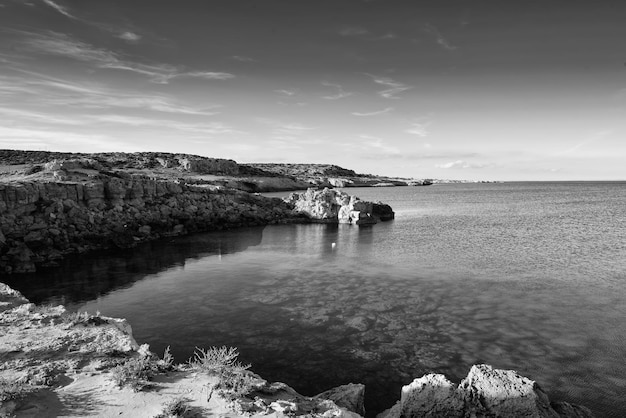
(333, 206)
(485, 392)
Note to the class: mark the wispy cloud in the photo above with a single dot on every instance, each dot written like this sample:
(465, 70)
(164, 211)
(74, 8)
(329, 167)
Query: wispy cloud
(49, 91)
(205, 128)
(375, 113)
(376, 147)
(53, 43)
(287, 131)
(394, 89)
(439, 38)
(287, 92)
(462, 164)
(59, 8)
(20, 137)
(340, 92)
(419, 128)
(40, 117)
(129, 36)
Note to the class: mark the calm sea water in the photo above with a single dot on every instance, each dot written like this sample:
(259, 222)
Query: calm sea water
(526, 276)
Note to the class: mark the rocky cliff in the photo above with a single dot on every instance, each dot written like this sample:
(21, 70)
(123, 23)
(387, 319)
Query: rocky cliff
(86, 203)
(41, 220)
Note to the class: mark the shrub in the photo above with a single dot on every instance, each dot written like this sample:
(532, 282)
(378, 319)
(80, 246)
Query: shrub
(216, 360)
(135, 373)
(175, 408)
(234, 380)
(235, 384)
(167, 362)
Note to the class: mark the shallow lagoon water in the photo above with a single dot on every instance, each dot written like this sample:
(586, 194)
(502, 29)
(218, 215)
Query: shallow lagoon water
(527, 276)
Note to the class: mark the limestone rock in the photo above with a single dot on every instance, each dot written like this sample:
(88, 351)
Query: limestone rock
(350, 396)
(430, 396)
(504, 393)
(333, 206)
(485, 392)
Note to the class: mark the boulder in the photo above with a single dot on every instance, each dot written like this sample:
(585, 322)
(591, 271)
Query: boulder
(504, 393)
(350, 396)
(485, 392)
(333, 206)
(430, 396)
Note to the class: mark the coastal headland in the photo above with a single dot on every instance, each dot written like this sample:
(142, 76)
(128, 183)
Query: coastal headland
(53, 204)
(55, 363)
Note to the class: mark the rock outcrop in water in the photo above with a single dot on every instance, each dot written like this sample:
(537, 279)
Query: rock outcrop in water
(54, 363)
(485, 392)
(333, 206)
(53, 204)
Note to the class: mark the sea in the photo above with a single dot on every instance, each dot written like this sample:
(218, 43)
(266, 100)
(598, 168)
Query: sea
(522, 276)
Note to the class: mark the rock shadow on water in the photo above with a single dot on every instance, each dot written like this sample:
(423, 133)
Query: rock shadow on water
(86, 277)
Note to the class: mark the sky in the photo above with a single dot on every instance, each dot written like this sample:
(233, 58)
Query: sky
(454, 89)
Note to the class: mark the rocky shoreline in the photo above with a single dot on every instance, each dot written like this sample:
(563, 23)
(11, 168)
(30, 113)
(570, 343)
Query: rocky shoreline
(55, 363)
(74, 206)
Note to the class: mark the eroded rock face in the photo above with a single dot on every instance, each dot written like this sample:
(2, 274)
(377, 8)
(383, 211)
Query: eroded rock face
(485, 392)
(41, 221)
(333, 206)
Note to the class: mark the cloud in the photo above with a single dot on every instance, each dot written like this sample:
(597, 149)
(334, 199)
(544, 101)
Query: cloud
(19, 137)
(59, 8)
(440, 39)
(419, 129)
(353, 31)
(208, 75)
(50, 91)
(37, 116)
(395, 87)
(129, 36)
(375, 113)
(54, 43)
(341, 94)
(287, 92)
(288, 131)
(205, 128)
(461, 164)
(377, 148)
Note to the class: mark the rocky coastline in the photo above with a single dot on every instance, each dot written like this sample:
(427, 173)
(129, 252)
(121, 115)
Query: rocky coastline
(54, 208)
(55, 363)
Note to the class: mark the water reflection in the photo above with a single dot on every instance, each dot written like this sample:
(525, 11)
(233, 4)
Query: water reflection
(86, 277)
